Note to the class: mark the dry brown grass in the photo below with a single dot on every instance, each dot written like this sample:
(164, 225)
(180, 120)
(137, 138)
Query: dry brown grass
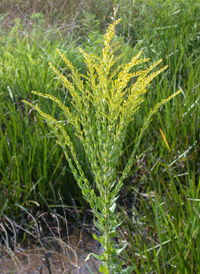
(56, 9)
(65, 14)
(52, 246)
(60, 13)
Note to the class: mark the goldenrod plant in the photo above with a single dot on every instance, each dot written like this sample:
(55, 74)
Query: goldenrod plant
(103, 104)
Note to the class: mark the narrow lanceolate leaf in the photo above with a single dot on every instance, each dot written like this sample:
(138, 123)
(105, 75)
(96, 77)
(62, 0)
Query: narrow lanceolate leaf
(164, 138)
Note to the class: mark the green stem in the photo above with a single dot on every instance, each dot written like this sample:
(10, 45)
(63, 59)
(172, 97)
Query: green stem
(107, 225)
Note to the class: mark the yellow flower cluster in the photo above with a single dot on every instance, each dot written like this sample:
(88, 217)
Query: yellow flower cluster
(103, 103)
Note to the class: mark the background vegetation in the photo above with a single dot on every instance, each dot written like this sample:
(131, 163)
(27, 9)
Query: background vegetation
(161, 199)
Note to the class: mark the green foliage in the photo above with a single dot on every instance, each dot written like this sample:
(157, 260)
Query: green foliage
(102, 107)
(166, 228)
(169, 30)
(28, 172)
(38, 17)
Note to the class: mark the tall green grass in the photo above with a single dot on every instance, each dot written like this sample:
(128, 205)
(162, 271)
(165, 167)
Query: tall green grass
(163, 233)
(170, 31)
(32, 168)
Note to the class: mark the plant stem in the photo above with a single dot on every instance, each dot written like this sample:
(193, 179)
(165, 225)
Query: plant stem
(107, 229)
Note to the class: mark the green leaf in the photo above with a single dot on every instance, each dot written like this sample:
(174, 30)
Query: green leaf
(121, 249)
(114, 199)
(99, 215)
(105, 183)
(99, 227)
(104, 269)
(128, 270)
(112, 234)
(118, 224)
(100, 204)
(112, 208)
(95, 237)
